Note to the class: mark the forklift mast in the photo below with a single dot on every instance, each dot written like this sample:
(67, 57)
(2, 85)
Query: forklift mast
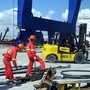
(82, 36)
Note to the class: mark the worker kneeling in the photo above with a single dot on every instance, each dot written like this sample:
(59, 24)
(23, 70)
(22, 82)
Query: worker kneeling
(32, 55)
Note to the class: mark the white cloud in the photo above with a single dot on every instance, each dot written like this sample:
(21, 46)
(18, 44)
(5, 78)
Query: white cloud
(36, 13)
(39, 14)
(65, 15)
(49, 15)
(84, 13)
(51, 12)
(7, 19)
(1, 15)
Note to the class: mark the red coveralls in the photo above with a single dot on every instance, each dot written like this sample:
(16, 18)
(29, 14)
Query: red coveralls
(31, 54)
(10, 55)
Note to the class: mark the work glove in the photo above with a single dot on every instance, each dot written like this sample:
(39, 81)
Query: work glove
(3, 54)
(34, 58)
(16, 67)
(14, 63)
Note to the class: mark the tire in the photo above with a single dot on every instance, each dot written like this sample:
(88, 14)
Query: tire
(79, 58)
(51, 58)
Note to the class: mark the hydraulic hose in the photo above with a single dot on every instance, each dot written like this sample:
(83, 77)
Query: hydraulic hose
(66, 74)
(23, 69)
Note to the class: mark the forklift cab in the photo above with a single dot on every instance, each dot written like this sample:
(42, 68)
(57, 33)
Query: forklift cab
(67, 43)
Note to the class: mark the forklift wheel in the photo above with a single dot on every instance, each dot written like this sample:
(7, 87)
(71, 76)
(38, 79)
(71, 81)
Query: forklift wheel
(51, 58)
(79, 58)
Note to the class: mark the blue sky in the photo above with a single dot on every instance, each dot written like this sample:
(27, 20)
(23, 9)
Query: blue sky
(59, 6)
(50, 9)
(7, 4)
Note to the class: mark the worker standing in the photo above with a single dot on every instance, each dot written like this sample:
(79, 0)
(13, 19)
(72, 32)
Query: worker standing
(9, 56)
(32, 55)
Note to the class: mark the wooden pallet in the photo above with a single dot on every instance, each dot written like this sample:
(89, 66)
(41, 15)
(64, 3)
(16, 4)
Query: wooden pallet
(62, 85)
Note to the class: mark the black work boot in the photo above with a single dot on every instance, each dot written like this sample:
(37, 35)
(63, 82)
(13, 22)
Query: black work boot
(11, 81)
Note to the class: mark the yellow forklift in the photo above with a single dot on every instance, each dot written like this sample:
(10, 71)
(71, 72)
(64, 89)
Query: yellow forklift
(73, 51)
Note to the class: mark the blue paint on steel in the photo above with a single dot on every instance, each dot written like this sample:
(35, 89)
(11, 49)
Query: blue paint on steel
(74, 6)
(27, 21)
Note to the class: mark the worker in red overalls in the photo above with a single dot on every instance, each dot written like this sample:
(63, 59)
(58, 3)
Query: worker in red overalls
(32, 55)
(9, 56)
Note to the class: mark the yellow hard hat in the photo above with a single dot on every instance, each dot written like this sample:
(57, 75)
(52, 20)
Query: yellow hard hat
(33, 37)
(21, 46)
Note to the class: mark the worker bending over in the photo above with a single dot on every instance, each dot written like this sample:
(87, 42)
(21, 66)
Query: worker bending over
(9, 56)
(32, 55)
